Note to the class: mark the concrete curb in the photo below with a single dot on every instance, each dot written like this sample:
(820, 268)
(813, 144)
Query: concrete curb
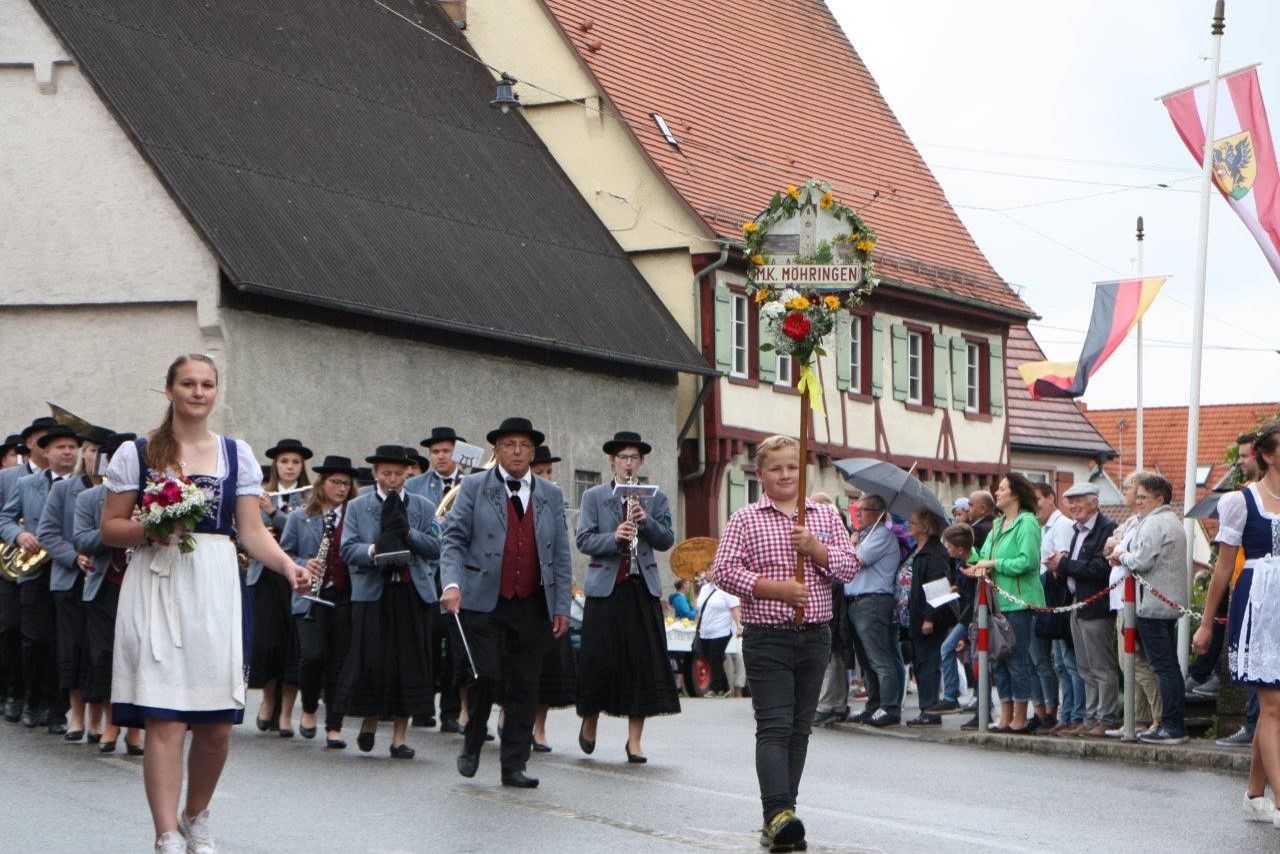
(1182, 756)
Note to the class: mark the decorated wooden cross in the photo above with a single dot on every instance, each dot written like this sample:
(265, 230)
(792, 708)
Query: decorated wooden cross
(810, 260)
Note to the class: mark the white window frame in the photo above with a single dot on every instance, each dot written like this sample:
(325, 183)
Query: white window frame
(739, 337)
(855, 354)
(583, 480)
(915, 368)
(1038, 476)
(1202, 474)
(782, 371)
(973, 376)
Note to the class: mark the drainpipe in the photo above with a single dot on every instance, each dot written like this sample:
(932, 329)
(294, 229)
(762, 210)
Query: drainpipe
(706, 381)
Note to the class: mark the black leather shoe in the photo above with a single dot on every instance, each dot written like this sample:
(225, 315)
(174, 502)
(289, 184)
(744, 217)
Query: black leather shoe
(134, 749)
(588, 747)
(402, 751)
(635, 758)
(12, 711)
(74, 735)
(107, 747)
(468, 764)
(57, 728)
(539, 747)
(30, 718)
(266, 725)
(364, 741)
(519, 780)
(428, 721)
(306, 731)
(94, 737)
(335, 743)
(286, 732)
(451, 725)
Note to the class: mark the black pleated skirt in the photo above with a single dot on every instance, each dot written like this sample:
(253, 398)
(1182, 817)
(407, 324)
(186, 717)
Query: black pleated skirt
(69, 627)
(275, 635)
(623, 668)
(388, 673)
(558, 685)
(100, 638)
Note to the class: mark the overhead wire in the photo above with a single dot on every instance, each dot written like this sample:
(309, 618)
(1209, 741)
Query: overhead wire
(1057, 159)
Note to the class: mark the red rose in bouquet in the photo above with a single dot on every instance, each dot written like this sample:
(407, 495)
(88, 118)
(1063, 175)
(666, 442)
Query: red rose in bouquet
(170, 493)
(796, 326)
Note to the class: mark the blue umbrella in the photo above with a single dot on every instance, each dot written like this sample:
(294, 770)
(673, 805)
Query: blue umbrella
(900, 490)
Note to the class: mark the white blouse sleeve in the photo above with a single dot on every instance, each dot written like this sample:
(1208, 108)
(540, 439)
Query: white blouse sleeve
(122, 473)
(249, 472)
(1232, 513)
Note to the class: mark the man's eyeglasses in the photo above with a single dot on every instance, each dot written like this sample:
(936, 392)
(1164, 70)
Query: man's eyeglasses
(628, 458)
(516, 445)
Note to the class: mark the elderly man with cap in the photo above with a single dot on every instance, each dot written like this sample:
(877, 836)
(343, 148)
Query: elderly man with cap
(20, 520)
(11, 685)
(507, 575)
(1085, 568)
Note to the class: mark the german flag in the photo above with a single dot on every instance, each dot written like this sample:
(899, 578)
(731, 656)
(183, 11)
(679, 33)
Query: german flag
(1117, 308)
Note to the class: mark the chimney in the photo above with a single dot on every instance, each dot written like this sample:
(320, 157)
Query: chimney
(456, 10)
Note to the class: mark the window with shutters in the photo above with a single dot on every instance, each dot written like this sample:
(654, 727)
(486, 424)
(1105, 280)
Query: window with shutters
(783, 376)
(754, 489)
(977, 377)
(741, 337)
(915, 367)
(582, 481)
(859, 354)
(972, 377)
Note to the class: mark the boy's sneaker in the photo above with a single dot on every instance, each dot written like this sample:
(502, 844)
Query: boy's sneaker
(1163, 736)
(1240, 738)
(925, 719)
(970, 725)
(196, 830)
(784, 832)
(881, 718)
(1209, 689)
(1255, 809)
(943, 707)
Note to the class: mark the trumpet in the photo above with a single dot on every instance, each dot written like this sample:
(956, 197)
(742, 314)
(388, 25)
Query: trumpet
(450, 498)
(17, 563)
(322, 555)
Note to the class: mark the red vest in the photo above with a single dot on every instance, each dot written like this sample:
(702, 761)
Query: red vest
(335, 569)
(521, 573)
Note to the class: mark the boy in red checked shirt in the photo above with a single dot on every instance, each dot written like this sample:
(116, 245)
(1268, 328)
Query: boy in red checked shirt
(785, 660)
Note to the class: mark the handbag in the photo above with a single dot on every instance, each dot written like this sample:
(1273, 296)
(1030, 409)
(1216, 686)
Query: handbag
(1000, 637)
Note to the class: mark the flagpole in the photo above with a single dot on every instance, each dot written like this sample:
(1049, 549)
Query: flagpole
(1137, 458)
(1197, 318)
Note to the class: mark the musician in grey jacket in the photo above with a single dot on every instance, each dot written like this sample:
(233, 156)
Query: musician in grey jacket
(623, 669)
(389, 543)
(506, 568)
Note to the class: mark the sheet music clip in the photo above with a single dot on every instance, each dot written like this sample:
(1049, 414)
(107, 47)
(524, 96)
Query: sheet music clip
(466, 455)
(396, 558)
(635, 490)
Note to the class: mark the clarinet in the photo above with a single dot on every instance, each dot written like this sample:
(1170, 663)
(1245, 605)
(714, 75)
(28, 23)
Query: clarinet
(322, 555)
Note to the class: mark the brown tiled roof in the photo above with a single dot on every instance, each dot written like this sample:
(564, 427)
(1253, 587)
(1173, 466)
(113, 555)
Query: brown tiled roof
(764, 94)
(1165, 438)
(1053, 424)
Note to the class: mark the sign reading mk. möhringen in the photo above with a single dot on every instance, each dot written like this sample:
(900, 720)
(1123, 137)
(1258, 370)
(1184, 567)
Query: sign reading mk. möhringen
(809, 276)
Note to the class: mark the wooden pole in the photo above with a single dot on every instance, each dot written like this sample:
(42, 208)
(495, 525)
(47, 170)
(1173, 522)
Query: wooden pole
(804, 491)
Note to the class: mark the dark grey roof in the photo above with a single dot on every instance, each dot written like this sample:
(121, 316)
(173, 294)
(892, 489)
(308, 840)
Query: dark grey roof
(332, 154)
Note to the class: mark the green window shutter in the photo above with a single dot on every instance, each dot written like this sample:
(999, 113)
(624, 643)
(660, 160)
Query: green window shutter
(843, 338)
(898, 352)
(842, 503)
(737, 490)
(997, 376)
(768, 365)
(877, 356)
(724, 328)
(959, 375)
(940, 372)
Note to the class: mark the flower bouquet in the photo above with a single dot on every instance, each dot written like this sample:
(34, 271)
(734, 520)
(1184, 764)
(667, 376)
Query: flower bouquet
(171, 503)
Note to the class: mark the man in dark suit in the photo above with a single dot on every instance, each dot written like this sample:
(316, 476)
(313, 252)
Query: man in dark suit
(505, 567)
(982, 513)
(1087, 571)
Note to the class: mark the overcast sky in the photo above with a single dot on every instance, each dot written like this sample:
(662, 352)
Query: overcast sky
(1037, 88)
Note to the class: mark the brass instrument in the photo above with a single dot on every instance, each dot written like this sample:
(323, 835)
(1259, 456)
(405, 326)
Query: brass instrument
(18, 563)
(449, 498)
(322, 555)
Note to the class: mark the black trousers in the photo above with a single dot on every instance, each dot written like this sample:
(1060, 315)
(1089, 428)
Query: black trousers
(39, 666)
(11, 685)
(324, 637)
(507, 644)
(440, 650)
(713, 650)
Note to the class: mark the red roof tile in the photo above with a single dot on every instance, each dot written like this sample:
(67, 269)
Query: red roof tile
(761, 95)
(1165, 438)
(1051, 423)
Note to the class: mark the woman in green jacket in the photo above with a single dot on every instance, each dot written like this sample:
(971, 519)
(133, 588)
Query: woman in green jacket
(1011, 557)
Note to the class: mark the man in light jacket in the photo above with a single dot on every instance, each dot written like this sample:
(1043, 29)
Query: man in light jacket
(1159, 556)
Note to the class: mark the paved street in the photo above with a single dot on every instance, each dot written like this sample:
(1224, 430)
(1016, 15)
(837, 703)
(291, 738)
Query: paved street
(862, 792)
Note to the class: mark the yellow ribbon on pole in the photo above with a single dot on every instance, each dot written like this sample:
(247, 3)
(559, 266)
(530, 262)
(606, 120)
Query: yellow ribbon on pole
(811, 388)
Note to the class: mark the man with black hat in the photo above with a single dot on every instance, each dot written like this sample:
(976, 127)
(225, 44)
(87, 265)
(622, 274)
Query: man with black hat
(21, 514)
(389, 543)
(56, 533)
(506, 569)
(11, 451)
(10, 605)
(439, 474)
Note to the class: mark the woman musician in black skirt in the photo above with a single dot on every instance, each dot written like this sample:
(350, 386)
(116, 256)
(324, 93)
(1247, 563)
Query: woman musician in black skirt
(324, 631)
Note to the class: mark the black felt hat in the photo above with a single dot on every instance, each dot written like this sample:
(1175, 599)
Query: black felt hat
(626, 438)
(389, 454)
(542, 454)
(334, 464)
(441, 434)
(13, 442)
(517, 426)
(289, 446)
(44, 423)
(113, 444)
(364, 475)
(97, 435)
(58, 431)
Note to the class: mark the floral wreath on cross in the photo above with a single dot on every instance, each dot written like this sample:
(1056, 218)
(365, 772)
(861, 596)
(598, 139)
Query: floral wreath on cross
(796, 321)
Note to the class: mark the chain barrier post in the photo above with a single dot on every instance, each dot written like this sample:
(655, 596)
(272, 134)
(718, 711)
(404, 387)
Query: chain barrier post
(1130, 658)
(984, 671)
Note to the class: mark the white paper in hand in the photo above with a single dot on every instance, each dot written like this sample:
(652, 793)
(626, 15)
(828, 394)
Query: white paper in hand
(938, 593)
(467, 456)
